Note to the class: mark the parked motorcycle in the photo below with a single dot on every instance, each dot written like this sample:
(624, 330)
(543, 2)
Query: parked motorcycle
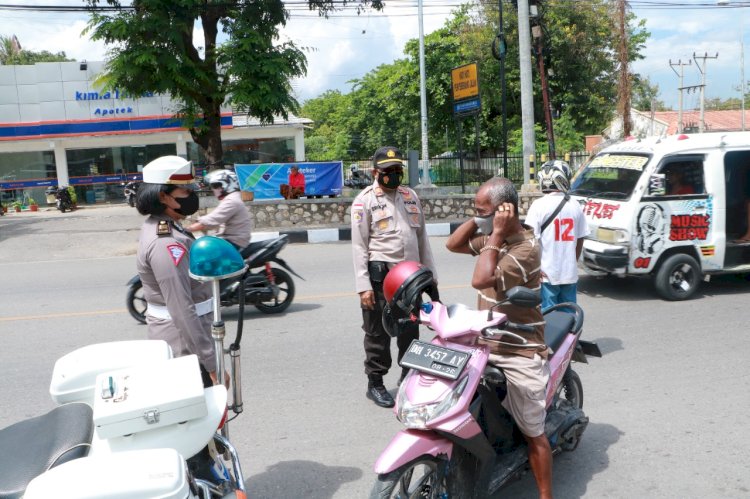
(459, 441)
(357, 179)
(130, 189)
(133, 422)
(269, 288)
(63, 200)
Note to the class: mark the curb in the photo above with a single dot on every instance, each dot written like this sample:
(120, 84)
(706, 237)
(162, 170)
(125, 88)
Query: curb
(334, 234)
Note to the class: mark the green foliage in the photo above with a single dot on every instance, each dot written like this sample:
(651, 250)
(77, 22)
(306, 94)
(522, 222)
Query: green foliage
(12, 54)
(73, 195)
(154, 52)
(644, 93)
(384, 106)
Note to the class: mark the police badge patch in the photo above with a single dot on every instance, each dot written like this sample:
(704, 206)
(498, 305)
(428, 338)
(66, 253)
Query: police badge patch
(176, 252)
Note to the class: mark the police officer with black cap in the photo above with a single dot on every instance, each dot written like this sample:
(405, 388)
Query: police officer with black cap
(388, 227)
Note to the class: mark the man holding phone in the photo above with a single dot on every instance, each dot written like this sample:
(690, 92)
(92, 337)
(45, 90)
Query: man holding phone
(509, 255)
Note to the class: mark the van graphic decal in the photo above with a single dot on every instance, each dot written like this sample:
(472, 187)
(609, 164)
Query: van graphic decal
(650, 229)
(597, 209)
(689, 227)
(708, 250)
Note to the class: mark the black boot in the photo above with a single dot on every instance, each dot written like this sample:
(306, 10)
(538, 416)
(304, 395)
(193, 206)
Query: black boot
(378, 394)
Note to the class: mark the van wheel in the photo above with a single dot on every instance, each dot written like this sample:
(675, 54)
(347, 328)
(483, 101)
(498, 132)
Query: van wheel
(678, 277)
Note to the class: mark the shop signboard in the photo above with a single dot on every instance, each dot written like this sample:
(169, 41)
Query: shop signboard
(265, 180)
(26, 184)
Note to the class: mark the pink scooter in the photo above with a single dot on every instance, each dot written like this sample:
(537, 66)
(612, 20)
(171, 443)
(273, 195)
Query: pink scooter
(459, 441)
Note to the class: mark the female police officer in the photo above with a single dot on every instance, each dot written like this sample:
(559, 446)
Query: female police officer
(179, 308)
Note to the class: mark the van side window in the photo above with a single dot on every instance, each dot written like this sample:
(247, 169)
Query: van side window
(683, 178)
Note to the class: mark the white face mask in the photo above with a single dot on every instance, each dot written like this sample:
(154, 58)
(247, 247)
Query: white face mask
(485, 223)
(217, 192)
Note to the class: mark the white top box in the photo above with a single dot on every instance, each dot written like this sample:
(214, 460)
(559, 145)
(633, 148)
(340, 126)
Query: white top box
(75, 373)
(148, 397)
(125, 475)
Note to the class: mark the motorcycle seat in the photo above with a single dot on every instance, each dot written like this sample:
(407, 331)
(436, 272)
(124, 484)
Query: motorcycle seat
(31, 447)
(558, 324)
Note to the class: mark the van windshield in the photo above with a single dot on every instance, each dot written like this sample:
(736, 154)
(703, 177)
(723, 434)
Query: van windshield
(610, 176)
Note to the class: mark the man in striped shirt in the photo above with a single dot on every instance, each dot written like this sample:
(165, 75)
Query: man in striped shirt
(509, 255)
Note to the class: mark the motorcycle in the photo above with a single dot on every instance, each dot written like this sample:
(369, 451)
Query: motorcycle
(63, 200)
(459, 441)
(269, 288)
(358, 180)
(129, 190)
(132, 422)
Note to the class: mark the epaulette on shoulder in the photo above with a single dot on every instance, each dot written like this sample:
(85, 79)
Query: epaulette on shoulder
(163, 228)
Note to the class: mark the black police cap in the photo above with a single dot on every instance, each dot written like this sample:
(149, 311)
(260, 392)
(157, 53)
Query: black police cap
(386, 157)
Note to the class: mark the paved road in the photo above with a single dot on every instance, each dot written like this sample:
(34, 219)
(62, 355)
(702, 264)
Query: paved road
(668, 402)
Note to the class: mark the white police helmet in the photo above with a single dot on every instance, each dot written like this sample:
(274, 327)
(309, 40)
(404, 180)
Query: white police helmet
(226, 180)
(172, 170)
(555, 175)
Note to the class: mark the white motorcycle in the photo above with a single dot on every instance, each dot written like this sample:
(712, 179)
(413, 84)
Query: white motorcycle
(134, 422)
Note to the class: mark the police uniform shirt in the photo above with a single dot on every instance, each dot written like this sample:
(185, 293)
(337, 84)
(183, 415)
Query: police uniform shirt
(163, 266)
(387, 226)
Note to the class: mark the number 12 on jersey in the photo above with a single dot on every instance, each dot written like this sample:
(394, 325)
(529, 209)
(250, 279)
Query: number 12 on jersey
(564, 229)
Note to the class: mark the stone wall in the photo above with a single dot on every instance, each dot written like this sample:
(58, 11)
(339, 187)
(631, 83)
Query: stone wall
(335, 212)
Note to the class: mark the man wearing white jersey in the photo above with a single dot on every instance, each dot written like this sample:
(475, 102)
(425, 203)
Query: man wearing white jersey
(560, 225)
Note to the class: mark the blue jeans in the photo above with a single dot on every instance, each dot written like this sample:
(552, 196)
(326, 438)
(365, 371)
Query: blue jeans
(552, 294)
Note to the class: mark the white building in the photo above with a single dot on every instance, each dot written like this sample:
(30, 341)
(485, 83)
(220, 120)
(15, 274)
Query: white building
(58, 127)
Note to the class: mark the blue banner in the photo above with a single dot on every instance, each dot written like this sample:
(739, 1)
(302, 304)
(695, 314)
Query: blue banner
(264, 180)
(27, 184)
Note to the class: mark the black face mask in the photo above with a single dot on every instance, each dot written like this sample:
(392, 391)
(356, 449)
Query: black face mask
(390, 180)
(188, 205)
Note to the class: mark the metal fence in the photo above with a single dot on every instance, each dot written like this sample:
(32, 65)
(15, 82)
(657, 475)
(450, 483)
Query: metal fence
(447, 171)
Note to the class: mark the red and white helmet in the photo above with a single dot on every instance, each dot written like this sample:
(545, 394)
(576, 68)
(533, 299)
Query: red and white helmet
(555, 176)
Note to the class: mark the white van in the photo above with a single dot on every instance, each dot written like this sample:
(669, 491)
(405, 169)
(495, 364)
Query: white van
(670, 207)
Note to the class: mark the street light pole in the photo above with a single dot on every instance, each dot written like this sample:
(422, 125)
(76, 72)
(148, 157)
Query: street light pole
(423, 102)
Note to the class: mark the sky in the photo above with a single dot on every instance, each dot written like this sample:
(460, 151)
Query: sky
(346, 46)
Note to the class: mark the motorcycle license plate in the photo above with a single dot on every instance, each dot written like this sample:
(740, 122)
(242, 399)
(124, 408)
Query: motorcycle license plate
(434, 359)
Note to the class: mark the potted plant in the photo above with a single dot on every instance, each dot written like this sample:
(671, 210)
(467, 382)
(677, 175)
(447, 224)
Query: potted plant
(17, 205)
(32, 205)
(4, 207)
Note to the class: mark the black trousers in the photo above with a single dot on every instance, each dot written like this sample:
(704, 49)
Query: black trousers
(377, 342)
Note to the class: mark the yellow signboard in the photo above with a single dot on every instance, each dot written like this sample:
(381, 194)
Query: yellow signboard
(464, 81)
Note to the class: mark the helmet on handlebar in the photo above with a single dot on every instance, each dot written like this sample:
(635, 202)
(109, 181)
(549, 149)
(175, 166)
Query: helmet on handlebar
(225, 180)
(403, 288)
(555, 175)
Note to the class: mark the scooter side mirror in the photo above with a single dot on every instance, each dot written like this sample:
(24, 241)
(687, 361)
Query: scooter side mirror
(523, 297)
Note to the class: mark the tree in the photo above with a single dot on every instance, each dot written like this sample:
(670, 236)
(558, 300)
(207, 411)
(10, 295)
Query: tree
(645, 94)
(383, 106)
(153, 51)
(12, 53)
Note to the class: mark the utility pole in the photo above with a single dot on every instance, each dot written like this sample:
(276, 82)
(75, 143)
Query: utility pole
(499, 51)
(426, 181)
(705, 56)
(680, 75)
(527, 92)
(624, 90)
(538, 35)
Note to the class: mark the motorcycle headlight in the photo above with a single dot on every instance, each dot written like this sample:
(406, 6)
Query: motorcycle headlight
(417, 416)
(615, 236)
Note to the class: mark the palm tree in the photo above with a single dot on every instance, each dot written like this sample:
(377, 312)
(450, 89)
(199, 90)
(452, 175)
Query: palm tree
(10, 49)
